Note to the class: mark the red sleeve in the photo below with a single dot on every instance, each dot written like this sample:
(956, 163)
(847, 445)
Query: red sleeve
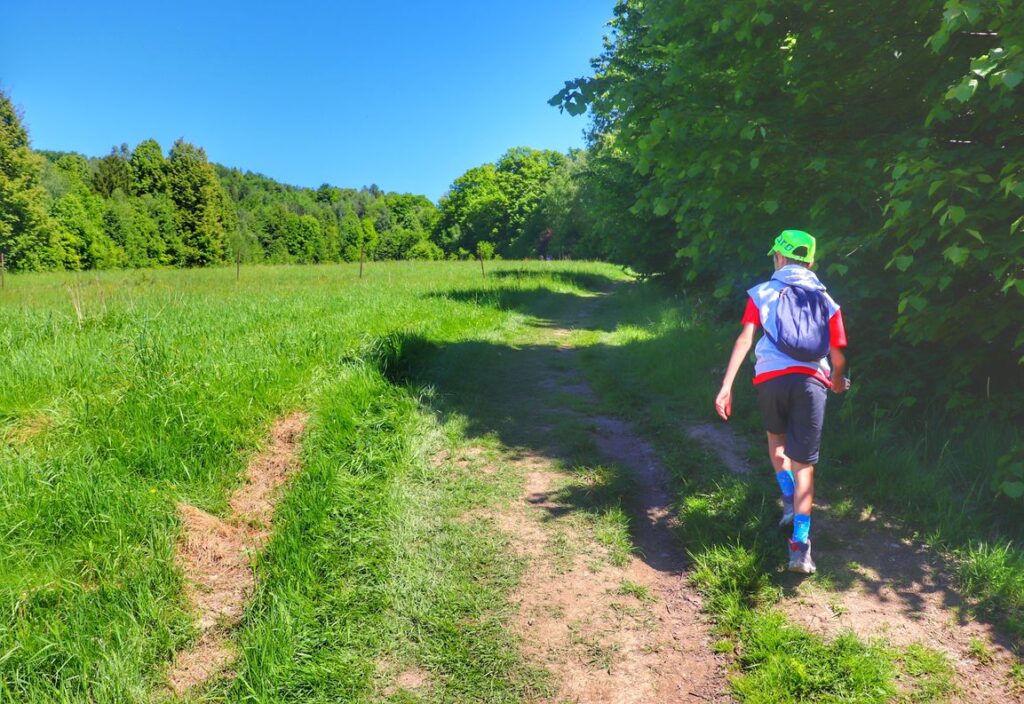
(753, 315)
(836, 330)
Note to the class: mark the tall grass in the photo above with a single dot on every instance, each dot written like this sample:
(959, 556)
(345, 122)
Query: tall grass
(128, 391)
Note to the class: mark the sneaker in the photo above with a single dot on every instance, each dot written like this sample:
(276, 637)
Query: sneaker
(787, 512)
(800, 558)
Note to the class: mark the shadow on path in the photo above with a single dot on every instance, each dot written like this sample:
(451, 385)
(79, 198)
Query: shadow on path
(533, 397)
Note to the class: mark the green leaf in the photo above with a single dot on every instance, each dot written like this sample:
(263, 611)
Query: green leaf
(983, 65)
(1014, 490)
(971, 11)
(1012, 79)
(957, 255)
(976, 235)
(964, 90)
(903, 263)
(754, 161)
(956, 214)
(770, 206)
(899, 170)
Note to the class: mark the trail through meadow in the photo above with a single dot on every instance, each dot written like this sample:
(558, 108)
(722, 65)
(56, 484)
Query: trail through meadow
(630, 631)
(634, 631)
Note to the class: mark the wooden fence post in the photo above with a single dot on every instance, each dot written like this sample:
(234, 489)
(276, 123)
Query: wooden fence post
(238, 266)
(481, 258)
(3, 271)
(361, 250)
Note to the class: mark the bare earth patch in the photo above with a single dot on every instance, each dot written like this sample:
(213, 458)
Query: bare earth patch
(411, 679)
(603, 643)
(879, 584)
(27, 428)
(215, 554)
(723, 442)
(608, 634)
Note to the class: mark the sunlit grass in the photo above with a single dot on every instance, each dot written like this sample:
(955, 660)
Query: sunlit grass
(130, 391)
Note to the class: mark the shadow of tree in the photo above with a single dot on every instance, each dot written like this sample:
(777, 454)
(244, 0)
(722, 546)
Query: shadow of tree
(531, 397)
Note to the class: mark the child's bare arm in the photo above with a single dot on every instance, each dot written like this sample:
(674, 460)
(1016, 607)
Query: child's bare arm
(838, 370)
(723, 402)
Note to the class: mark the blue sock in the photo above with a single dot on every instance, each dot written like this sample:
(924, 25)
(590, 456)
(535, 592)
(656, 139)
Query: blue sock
(785, 480)
(801, 528)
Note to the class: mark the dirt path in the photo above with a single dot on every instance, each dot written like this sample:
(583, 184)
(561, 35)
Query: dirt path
(604, 645)
(215, 554)
(876, 582)
(609, 633)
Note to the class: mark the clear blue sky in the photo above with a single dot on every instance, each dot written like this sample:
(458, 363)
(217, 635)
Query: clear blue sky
(407, 95)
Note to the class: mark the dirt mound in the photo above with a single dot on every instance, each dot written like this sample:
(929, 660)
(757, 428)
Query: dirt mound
(215, 554)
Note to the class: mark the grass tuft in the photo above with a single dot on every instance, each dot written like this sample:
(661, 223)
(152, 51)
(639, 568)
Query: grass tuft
(931, 673)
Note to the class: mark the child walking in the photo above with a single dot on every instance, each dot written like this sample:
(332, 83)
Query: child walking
(802, 327)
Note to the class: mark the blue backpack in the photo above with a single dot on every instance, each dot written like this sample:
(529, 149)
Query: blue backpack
(801, 324)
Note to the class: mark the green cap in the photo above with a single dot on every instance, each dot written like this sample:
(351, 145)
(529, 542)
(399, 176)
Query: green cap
(794, 244)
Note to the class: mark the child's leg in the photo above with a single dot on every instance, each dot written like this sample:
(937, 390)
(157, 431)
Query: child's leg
(781, 464)
(777, 451)
(804, 474)
(803, 501)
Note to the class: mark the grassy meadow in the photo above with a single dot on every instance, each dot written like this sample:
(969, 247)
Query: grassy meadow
(129, 391)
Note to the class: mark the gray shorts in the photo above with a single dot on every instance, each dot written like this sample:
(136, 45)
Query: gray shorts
(794, 404)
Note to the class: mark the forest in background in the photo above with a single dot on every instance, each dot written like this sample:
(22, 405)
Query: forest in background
(141, 208)
(891, 132)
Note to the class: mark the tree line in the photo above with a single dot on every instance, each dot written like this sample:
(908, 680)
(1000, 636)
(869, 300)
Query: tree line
(892, 131)
(140, 207)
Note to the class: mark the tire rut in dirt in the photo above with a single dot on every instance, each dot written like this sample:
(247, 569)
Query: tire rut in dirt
(214, 555)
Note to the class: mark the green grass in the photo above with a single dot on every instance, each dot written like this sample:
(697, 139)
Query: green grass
(637, 591)
(650, 356)
(664, 357)
(1017, 676)
(129, 391)
(931, 674)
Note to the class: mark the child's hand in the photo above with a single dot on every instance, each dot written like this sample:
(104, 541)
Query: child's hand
(723, 403)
